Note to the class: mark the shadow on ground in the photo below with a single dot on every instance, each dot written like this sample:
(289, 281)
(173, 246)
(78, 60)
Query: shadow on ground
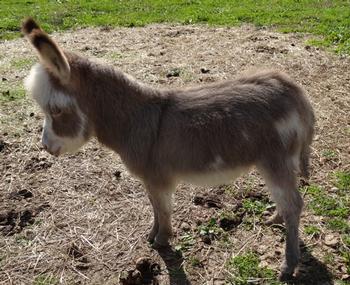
(174, 263)
(311, 270)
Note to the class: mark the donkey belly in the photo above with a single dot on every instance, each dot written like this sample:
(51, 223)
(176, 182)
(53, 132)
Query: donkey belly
(213, 177)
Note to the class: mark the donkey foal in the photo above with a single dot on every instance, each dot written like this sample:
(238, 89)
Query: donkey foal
(207, 135)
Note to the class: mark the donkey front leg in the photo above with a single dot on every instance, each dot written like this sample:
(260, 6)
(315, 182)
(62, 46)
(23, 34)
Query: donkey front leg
(161, 200)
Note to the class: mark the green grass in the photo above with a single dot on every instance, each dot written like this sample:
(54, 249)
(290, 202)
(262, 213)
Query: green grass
(11, 94)
(45, 279)
(342, 180)
(245, 269)
(185, 242)
(312, 230)
(330, 19)
(336, 207)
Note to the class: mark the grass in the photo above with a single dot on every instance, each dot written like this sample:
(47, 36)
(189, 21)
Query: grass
(312, 230)
(245, 269)
(324, 204)
(328, 19)
(11, 94)
(44, 279)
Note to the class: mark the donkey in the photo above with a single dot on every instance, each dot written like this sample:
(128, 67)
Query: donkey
(207, 135)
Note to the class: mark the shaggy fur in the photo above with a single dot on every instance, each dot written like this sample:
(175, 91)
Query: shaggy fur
(211, 133)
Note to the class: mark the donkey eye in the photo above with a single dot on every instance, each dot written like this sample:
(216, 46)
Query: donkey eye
(55, 111)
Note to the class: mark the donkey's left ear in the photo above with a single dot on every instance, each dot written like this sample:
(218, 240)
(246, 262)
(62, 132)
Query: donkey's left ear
(50, 54)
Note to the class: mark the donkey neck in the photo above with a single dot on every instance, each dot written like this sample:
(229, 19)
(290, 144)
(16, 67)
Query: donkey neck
(116, 104)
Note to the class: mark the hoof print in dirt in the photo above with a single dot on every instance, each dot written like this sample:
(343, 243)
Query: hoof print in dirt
(3, 145)
(37, 164)
(229, 223)
(207, 238)
(117, 174)
(79, 257)
(13, 221)
(145, 273)
(207, 201)
(22, 194)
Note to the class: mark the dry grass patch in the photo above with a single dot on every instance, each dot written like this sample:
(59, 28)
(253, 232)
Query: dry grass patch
(86, 218)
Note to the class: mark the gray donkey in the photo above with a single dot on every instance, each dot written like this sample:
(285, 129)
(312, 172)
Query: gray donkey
(207, 135)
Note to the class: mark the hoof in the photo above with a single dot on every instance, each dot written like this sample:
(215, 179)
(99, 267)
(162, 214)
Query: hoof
(151, 238)
(276, 219)
(285, 276)
(158, 245)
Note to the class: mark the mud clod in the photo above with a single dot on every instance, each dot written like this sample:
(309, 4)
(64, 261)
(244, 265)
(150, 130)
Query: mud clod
(145, 273)
(14, 221)
(2, 145)
(37, 164)
(117, 174)
(228, 224)
(21, 194)
(207, 201)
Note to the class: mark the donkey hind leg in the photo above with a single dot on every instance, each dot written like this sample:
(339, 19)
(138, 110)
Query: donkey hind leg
(275, 219)
(155, 226)
(161, 200)
(282, 185)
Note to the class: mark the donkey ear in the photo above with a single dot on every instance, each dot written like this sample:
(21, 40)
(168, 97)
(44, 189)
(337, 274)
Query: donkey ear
(49, 53)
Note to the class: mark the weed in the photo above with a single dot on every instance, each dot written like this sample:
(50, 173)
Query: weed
(329, 154)
(343, 180)
(185, 242)
(245, 269)
(45, 279)
(323, 204)
(346, 240)
(194, 261)
(22, 63)
(312, 230)
(338, 224)
(11, 94)
(328, 258)
(210, 229)
(346, 258)
(255, 207)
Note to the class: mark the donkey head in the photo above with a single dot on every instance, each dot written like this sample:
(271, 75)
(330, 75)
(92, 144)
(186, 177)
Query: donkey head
(49, 83)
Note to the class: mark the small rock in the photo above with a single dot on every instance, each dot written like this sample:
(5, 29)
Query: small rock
(205, 70)
(143, 264)
(206, 239)
(228, 224)
(307, 47)
(173, 73)
(331, 240)
(117, 174)
(334, 189)
(31, 114)
(345, 277)
(185, 226)
(2, 145)
(4, 79)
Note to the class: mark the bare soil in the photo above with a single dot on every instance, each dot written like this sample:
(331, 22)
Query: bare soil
(83, 219)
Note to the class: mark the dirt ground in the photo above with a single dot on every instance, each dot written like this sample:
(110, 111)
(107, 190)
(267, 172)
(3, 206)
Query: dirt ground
(83, 219)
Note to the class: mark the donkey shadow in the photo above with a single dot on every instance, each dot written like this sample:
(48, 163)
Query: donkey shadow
(311, 271)
(174, 263)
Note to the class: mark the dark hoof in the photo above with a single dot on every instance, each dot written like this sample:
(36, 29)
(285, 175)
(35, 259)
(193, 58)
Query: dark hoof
(285, 277)
(274, 220)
